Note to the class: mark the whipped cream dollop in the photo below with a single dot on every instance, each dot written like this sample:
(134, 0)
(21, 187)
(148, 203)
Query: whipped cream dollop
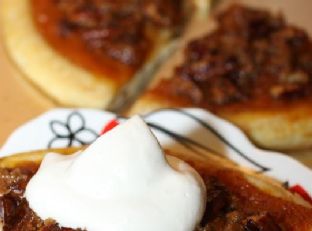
(123, 182)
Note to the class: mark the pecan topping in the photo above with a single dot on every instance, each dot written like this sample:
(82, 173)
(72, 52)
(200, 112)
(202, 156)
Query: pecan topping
(251, 56)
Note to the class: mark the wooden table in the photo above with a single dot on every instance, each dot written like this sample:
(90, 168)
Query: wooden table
(21, 101)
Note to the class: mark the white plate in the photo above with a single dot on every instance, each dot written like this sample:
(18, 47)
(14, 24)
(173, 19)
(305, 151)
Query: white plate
(193, 129)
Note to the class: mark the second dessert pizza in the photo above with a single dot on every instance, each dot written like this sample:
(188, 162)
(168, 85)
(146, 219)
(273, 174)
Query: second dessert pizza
(253, 69)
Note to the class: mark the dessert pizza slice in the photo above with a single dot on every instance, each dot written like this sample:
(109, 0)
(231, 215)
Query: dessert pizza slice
(248, 66)
(85, 53)
(236, 198)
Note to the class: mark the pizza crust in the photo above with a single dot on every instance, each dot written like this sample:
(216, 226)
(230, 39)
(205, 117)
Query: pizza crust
(286, 130)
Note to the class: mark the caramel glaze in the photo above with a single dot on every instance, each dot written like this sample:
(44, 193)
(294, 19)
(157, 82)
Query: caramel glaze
(235, 201)
(108, 38)
(253, 60)
(247, 199)
(233, 204)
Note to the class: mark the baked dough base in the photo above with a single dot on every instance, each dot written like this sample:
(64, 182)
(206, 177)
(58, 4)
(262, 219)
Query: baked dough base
(289, 129)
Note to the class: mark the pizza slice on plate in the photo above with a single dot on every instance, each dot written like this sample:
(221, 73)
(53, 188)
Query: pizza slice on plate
(248, 66)
(237, 199)
(87, 53)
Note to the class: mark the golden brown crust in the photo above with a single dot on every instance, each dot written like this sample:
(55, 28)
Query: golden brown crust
(288, 129)
(32, 157)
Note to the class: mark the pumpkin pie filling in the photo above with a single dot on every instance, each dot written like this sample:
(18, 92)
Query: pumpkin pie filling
(112, 38)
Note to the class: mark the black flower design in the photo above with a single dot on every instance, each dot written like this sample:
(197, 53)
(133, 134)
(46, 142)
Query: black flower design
(71, 132)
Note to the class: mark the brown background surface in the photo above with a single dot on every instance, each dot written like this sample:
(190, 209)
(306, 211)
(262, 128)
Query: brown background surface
(20, 101)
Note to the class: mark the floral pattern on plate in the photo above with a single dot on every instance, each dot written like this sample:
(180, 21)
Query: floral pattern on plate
(189, 129)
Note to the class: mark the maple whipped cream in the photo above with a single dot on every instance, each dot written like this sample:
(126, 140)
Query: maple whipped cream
(121, 182)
